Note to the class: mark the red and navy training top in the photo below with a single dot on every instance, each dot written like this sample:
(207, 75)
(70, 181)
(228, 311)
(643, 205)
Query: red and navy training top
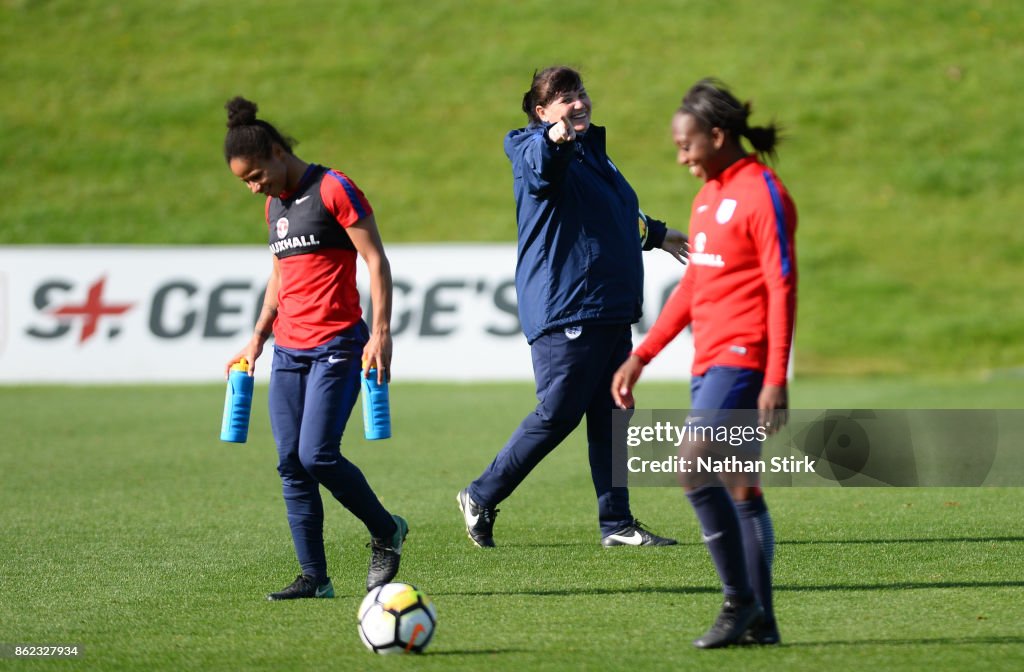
(317, 298)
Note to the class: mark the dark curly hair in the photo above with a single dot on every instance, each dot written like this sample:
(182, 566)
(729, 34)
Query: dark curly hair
(249, 136)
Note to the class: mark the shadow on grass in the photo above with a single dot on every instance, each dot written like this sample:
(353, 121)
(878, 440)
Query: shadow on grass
(790, 542)
(922, 641)
(596, 547)
(484, 652)
(927, 540)
(698, 590)
(926, 641)
(553, 544)
(905, 585)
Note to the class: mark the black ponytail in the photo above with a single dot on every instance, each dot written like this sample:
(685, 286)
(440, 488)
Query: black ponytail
(711, 103)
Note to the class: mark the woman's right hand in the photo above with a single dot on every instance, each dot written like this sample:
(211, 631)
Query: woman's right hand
(251, 352)
(562, 131)
(624, 380)
(677, 244)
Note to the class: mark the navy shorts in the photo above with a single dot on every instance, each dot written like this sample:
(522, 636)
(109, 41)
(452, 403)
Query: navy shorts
(726, 387)
(725, 396)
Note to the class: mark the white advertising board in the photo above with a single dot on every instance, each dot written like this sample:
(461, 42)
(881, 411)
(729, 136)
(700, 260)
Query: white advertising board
(80, 314)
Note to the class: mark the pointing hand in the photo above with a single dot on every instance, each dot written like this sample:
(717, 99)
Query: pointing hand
(562, 131)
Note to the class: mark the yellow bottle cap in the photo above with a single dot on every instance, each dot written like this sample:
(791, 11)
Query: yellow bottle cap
(240, 365)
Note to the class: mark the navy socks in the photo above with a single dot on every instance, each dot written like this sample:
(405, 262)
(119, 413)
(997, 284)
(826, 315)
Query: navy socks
(720, 527)
(759, 549)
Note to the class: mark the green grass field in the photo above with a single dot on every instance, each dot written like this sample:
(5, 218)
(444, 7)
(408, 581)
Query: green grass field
(128, 528)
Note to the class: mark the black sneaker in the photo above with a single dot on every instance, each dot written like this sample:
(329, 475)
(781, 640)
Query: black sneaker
(735, 619)
(303, 586)
(763, 634)
(385, 556)
(636, 535)
(479, 520)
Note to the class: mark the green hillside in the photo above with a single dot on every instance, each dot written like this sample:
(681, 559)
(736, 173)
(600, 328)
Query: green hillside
(903, 121)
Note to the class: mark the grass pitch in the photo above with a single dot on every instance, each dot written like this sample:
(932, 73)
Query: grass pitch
(129, 529)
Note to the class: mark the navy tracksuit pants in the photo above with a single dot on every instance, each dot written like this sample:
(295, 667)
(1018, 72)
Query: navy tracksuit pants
(312, 392)
(573, 369)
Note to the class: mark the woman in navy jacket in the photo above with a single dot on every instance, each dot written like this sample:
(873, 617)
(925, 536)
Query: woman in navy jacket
(579, 280)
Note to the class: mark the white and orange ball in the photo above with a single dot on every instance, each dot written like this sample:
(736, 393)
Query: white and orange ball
(397, 618)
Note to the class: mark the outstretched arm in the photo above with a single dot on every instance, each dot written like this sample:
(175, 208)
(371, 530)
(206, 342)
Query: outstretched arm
(542, 157)
(659, 235)
(673, 318)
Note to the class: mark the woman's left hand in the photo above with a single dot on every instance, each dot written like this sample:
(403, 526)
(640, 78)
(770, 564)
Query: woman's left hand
(772, 407)
(377, 355)
(624, 380)
(677, 244)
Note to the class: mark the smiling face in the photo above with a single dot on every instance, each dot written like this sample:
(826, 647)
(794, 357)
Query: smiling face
(268, 176)
(698, 148)
(575, 105)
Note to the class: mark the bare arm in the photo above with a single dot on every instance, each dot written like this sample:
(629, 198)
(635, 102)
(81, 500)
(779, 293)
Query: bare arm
(264, 328)
(377, 352)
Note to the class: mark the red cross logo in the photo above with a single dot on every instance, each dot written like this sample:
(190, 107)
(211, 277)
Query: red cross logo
(92, 310)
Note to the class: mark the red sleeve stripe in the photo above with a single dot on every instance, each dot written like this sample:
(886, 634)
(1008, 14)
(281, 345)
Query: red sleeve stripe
(350, 190)
(780, 224)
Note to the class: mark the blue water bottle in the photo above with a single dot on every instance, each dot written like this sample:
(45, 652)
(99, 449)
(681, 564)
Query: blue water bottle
(376, 408)
(237, 403)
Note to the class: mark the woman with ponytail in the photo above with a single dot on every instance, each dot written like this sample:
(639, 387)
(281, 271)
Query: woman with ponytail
(739, 293)
(318, 222)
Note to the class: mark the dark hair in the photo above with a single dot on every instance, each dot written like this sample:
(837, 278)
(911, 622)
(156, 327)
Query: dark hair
(249, 136)
(547, 85)
(711, 103)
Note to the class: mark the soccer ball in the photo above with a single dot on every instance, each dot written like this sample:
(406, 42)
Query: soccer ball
(396, 618)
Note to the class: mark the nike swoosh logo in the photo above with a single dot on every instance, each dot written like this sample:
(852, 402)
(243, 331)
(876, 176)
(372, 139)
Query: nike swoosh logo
(300, 200)
(333, 360)
(466, 511)
(321, 593)
(634, 539)
(714, 536)
(416, 632)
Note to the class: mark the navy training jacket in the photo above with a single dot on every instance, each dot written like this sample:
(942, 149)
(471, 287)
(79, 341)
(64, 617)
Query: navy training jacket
(579, 233)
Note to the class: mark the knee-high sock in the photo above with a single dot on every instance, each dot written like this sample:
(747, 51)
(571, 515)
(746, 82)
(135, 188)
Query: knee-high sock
(759, 549)
(720, 527)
